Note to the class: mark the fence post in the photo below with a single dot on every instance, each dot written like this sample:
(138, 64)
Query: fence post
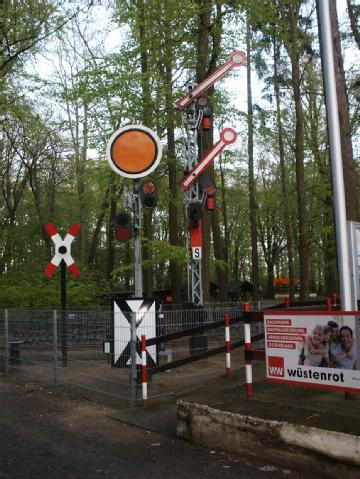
(55, 350)
(248, 359)
(6, 341)
(133, 368)
(227, 345)
(143, 371)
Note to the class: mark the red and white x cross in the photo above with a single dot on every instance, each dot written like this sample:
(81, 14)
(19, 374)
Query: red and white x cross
(62, 249)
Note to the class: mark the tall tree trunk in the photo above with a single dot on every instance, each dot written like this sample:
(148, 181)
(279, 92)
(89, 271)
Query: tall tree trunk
(110, 262)
(175, 272)
(284, 186)
(81, 166)
(174, 267)
(300, 183)
(148, 281)
(218, 241)
(353, 16)
(224, 212)
(206, 31)
(97, 231)
(350, 177)
(252, 188)
(293, 48)
(320, 157)
(35, 188)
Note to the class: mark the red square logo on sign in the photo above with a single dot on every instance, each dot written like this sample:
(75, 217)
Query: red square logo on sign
(276, 366)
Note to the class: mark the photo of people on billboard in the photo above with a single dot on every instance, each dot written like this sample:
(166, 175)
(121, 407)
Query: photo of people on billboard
(329, 346)
(318, 349)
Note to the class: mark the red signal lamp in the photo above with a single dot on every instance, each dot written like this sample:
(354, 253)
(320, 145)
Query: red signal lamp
(206, 123)
(210, 199)
(205, 106)
(122, 227)
(148, 194)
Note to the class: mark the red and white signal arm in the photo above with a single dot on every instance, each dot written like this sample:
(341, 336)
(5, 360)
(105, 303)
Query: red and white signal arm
(235, 59)
(227, 136)
(134, 151)
(62, 249)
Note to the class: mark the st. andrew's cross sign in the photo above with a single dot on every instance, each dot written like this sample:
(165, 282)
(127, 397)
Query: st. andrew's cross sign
(124, 311)
(62, 249)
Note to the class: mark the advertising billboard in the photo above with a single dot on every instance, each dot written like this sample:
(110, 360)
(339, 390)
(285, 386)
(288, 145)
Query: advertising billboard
(317, 349)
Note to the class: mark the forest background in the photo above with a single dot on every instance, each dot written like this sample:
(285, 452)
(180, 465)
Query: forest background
(72, 72)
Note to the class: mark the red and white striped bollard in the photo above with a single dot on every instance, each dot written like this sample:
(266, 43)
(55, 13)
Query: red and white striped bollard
(248, 361)
(143, 371)
(227, 345)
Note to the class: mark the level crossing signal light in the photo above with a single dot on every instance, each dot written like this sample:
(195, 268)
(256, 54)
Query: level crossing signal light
(206, 108)
(148, 194)
(122, 227)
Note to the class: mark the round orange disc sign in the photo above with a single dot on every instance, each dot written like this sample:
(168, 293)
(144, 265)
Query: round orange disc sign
(134, 151)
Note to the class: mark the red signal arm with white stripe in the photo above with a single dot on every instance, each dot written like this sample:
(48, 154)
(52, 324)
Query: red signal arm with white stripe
(235, 59)
(227, 136)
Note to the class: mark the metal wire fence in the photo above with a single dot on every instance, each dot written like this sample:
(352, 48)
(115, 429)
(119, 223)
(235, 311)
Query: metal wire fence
(99, 351)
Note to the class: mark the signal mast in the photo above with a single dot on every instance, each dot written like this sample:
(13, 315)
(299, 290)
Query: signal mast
(199, 189)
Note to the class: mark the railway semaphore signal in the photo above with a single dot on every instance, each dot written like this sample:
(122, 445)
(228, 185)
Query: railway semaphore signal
(199, 189)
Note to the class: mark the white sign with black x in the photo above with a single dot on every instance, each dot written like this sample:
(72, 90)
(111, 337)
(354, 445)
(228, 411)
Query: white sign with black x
(145, 314)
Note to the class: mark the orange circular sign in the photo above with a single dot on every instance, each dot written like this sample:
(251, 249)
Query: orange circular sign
(134, 151)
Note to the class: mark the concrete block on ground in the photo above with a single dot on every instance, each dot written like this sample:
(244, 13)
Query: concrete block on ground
(238, 433)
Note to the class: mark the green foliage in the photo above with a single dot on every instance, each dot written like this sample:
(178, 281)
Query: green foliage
(36, 291)
(24, 23)
(49, 124)
(162, 252)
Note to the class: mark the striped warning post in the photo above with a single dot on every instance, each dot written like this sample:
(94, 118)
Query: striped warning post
(248, 360)
(143, 371)
(227, 345)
